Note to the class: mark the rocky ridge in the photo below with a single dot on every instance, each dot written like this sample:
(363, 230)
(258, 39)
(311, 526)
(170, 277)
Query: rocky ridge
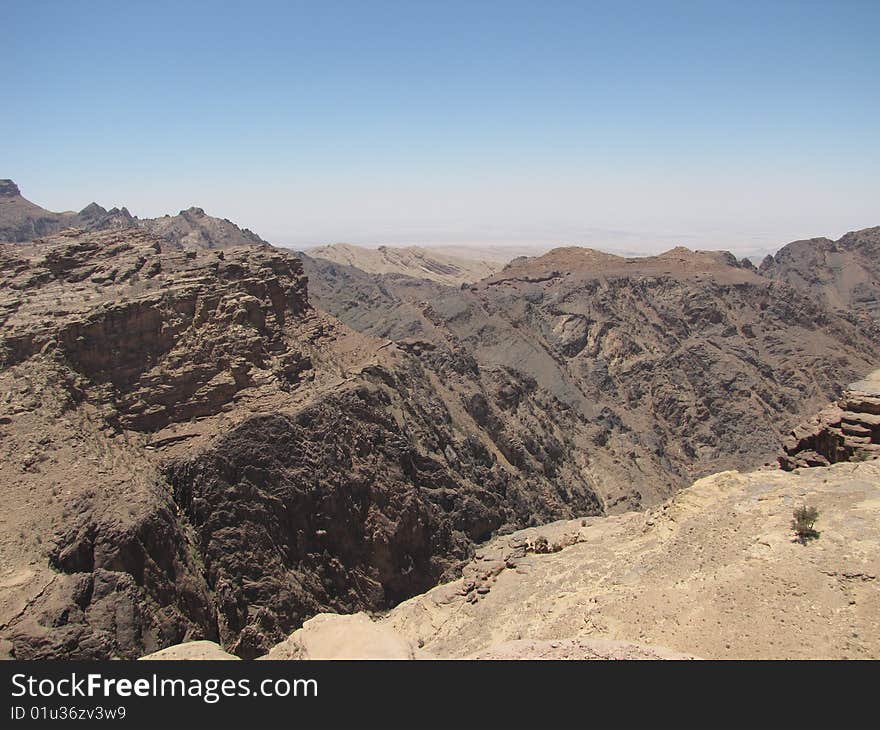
(22, 221)
(411, 261)
(669, 367)
(843, 274)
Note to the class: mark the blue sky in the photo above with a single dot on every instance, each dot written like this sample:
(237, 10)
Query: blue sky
(623, 125)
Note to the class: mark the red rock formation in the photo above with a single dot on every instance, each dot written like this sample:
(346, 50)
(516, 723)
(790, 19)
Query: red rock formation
(848, 430)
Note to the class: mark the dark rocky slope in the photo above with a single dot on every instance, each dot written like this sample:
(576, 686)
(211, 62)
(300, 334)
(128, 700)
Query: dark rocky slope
(667, 367)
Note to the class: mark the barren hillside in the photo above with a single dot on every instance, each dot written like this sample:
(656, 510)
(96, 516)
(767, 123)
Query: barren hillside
(413, 261)
(843, 274)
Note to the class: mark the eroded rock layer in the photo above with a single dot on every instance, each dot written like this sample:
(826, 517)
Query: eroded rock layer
(848, 430)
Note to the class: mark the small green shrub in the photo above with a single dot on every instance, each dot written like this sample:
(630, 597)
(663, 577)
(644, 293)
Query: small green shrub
(803, 523)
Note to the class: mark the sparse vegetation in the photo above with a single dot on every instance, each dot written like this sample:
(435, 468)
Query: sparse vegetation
(803, 522)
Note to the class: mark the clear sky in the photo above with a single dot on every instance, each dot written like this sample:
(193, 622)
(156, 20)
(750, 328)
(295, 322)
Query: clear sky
(627, 125)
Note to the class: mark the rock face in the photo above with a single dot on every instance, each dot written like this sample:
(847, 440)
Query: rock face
(22, 221)
(666, 368)
(196, 453)
(843, 274)
(848, 430)
(9, 189)
(412, 261)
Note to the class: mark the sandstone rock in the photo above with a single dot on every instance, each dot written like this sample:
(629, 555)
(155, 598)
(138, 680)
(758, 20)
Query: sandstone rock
(331, 636)
(846, 431)
(719, 575)
(191, 651)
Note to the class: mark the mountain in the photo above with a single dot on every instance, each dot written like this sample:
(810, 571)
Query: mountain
(192, 451)
(194, 229)
(410, 261)
(22, 221)
(220, 443)
(844, 274)
(669, 367)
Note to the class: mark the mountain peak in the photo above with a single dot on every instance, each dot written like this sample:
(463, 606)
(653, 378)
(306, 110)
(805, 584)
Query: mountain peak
(93, 210)
(9, 189)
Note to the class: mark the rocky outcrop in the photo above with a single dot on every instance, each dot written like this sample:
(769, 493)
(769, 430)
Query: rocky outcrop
(194, 229)
(356, 636)
(22, 221)
(9, 189)
(191, 651)
(848, 430)
(714, 572)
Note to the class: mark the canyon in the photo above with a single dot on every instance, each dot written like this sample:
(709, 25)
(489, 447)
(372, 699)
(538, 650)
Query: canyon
(206, 438)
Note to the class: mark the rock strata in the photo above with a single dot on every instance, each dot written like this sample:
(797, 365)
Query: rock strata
(848, 430)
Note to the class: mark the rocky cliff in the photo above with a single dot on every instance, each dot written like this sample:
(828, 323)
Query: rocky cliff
(848, 430)
(196, 452)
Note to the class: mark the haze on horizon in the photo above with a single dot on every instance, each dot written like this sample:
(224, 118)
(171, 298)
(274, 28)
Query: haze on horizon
(627, 126)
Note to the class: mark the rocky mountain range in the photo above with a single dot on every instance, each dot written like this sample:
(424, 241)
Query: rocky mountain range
(843, 274)
(22, 221)
(196, 452)
(673, 366)
(208, 438)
